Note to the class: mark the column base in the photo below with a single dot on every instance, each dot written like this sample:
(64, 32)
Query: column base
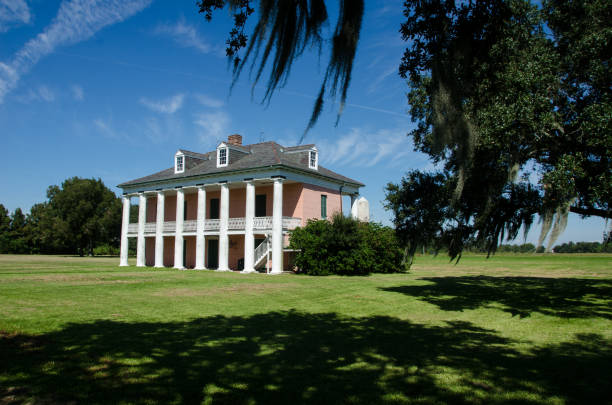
(223, 270)
(200, 268)
(275, 273)
(158, 267)
(248, 271)
(124, 265)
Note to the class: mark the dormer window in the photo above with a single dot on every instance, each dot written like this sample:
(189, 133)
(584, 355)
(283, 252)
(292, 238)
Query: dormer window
(179, 163)
(222, 156)
(313, 159)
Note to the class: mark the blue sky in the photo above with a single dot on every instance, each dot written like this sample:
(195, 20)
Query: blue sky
(112, 88)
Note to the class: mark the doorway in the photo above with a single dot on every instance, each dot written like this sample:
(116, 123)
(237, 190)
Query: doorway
(260, 205)
(214, 208)
(213, 253)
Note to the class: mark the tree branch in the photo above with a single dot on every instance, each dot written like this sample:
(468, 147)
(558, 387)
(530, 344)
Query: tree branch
(591, 212)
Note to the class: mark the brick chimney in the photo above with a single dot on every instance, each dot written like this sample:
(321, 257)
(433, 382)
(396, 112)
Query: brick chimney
(234, 139)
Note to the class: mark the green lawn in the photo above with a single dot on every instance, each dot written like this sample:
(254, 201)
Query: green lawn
(511, 329)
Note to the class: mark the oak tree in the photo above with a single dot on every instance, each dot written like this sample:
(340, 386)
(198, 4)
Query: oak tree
(511, 100)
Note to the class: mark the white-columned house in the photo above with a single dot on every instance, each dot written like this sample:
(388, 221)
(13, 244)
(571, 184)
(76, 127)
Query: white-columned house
(231, 208)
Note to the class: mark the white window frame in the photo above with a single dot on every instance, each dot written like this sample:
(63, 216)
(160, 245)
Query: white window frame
(176, 165)
(219, 149)
(316, 159)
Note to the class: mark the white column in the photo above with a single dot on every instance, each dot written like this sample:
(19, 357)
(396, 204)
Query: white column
(223, 226)
(178, 234)
(354, 206)
(159, 230)
(123, 261)
(249, 239)
(200, 245)
(277, 227)
(142, 217)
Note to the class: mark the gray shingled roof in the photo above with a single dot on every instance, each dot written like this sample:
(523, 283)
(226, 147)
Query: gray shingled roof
(195, 155)
(260, 155)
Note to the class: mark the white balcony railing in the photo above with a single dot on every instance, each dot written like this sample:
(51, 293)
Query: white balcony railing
(190, 226)
(234, 224)
(169, 226)
(212, 224)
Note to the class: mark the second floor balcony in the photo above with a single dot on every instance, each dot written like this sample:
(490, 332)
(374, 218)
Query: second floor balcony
(235, 225)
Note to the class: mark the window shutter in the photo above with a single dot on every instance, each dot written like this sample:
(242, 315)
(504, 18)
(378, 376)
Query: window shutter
(323, 206)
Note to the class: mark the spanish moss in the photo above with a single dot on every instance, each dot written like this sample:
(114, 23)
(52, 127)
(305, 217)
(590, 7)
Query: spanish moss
(283, 31)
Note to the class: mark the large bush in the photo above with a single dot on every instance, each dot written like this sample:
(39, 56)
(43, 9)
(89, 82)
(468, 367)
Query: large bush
(345, 246)
(106, 250)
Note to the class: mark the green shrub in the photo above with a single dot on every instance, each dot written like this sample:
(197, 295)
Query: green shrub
(106, 250)
(388, 255)
(345, 246)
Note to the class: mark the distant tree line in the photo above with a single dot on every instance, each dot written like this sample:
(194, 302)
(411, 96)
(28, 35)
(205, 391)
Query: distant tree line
(583, 247)
(569, 247)
(82, 216)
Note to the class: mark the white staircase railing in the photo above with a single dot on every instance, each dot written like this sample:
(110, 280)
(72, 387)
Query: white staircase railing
(263, 252)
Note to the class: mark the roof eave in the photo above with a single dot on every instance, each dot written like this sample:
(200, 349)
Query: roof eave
(310, 172)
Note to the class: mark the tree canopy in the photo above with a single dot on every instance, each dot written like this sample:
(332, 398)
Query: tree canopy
(78, 216)
(511, 99)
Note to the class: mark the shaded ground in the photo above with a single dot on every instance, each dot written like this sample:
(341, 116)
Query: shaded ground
(509, 330)
(520, 296)
(293, 357)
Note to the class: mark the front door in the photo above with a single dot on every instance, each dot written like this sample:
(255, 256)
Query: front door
(213, 253)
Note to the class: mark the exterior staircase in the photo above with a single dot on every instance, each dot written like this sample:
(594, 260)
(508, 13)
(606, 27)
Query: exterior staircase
(262, 254)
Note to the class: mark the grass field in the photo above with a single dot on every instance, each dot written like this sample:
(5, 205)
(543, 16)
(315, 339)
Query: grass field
(512, 329)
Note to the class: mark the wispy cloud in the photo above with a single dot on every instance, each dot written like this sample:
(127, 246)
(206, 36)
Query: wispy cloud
(41, 93)
(46, 94)
(167, 106)
(105, 129)
(364, 148)
(214, 125)
(77, 92)
(184, 34)
(209, 101)
(12, 13)
(76, 21)
(375, 84)
(162, 129)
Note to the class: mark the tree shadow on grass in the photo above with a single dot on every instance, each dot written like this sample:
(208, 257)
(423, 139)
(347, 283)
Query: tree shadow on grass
(520, 296)
(293, 357)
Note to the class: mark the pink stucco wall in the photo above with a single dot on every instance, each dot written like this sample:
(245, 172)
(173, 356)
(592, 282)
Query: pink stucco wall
(237, 199)
(152, 209)
(150, 251)
(192, 206)
(309, 203)
(291, 198)
(190, 250)
(236, 250)
(170, 208)
(169, 251)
